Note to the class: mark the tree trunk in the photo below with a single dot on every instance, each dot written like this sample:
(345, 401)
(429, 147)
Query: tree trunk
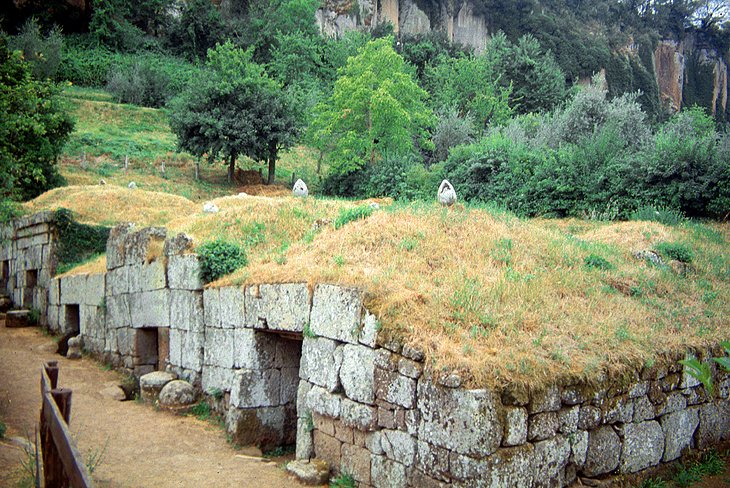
(197, 170)
(272, 162)
(231, 166)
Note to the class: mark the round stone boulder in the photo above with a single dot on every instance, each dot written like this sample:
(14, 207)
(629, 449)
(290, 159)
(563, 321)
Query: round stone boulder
(177, 395)
(210, 207)
(151, 384)
(75, 344)
(300, 189)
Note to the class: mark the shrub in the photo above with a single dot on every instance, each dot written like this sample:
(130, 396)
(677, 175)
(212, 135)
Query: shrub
(42, 52)
(663, 215)
(675, 250)
(3, 429)
(9, 210)
(219, 258)
(350, 214)
(597, 262)
(86, 66)
(451, 130)
(150, 81)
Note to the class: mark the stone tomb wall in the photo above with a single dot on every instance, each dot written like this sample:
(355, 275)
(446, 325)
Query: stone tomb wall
(27, 261)
(287, 363)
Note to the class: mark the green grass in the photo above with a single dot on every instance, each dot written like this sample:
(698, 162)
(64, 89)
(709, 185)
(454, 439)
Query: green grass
(201, 411)
(343, 481)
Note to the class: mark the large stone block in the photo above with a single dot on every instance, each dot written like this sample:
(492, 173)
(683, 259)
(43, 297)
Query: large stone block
(357, 415)
(321, 362)
(254, 350)
(115, 249)
(327, 447)
(714, 425)
(432, 460)
(465, 421)
(545, 401)
(147, 276)
(385, 473)
(95, 289)
(217, 378)
(54, 292)
(117, 281)
(643, 446)
(144, 246)
(117, 311)
(176, 338)
(336, 313)
(604, 449)
(91, 321)
(357, 373)
(231, 307)
(398, 446)
(395, 388)
(212, 307)
(515, 426)
(219, 348)
(73, 289)
(511, 467)
(192, 351)
(183, 272)
(178, 245)
(265, 427)
(53, 318)
(578, 447)
(679, 427)
(321, 401)
(254, 388)
(150, 308)
(356, 463)
(543, 426)
(550, 458)
(186, 310)
(278, 307)
(305, 446)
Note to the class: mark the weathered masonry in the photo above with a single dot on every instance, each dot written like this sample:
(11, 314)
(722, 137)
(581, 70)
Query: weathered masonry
(288, 363)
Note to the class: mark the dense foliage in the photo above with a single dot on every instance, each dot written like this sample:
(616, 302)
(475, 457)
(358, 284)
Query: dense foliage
(33, 128)
(219, 258)
(77, 242)
(234, 108)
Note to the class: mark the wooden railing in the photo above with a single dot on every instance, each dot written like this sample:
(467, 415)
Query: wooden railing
(63, 465)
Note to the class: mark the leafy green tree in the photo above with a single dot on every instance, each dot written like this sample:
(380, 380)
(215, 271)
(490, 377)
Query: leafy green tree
(110, 25)
(235, 109)
(471, 85)
(537, 82)
(376, 108)
(269, 18)
(33, 129)
(199, 28)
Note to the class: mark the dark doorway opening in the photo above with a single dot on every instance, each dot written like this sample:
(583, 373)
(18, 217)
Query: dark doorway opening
(146, 350)
(31, 281)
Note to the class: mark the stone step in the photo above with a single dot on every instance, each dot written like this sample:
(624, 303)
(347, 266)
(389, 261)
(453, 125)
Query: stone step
(17, 318)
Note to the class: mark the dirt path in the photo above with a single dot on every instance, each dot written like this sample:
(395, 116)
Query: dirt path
(145, 447)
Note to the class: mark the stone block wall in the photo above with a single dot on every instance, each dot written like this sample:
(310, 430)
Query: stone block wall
(27, 261)
(288, 363)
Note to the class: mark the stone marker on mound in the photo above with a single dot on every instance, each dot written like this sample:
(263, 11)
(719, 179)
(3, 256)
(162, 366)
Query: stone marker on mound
(74, 347)
(132, 185)
(446, 194)
(102, 181)
(114, 392)
(310, 472)
(151, 384)
(210, 207)
(177, 395)
(300, 189)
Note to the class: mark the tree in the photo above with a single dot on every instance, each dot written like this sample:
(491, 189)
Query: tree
(33, 129)
(470, 85)
(376, 109)
(235, 109)
(199, 28)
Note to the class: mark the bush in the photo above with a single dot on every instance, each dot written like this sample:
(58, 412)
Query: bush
(3, 429)
(597, 262)
(9, 210)
(86, 66)
(42, 52)
(663, 215)
(350, 214)
(452, 130)
(149, 80)
(219, 258)
(675, 250)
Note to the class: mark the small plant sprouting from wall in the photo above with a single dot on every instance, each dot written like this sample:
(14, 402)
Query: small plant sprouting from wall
(219, 258)
(702, 372)
(344, 480)
(77, 242)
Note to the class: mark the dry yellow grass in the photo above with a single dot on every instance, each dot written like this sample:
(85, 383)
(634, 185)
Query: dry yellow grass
(94, 266)
(505, 300)
(501, 300)
(111, 204)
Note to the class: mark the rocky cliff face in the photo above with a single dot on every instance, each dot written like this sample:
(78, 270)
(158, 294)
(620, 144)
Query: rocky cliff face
(706, 72)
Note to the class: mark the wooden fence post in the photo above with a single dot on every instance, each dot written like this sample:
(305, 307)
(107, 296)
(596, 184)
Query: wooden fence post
(52, 372)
